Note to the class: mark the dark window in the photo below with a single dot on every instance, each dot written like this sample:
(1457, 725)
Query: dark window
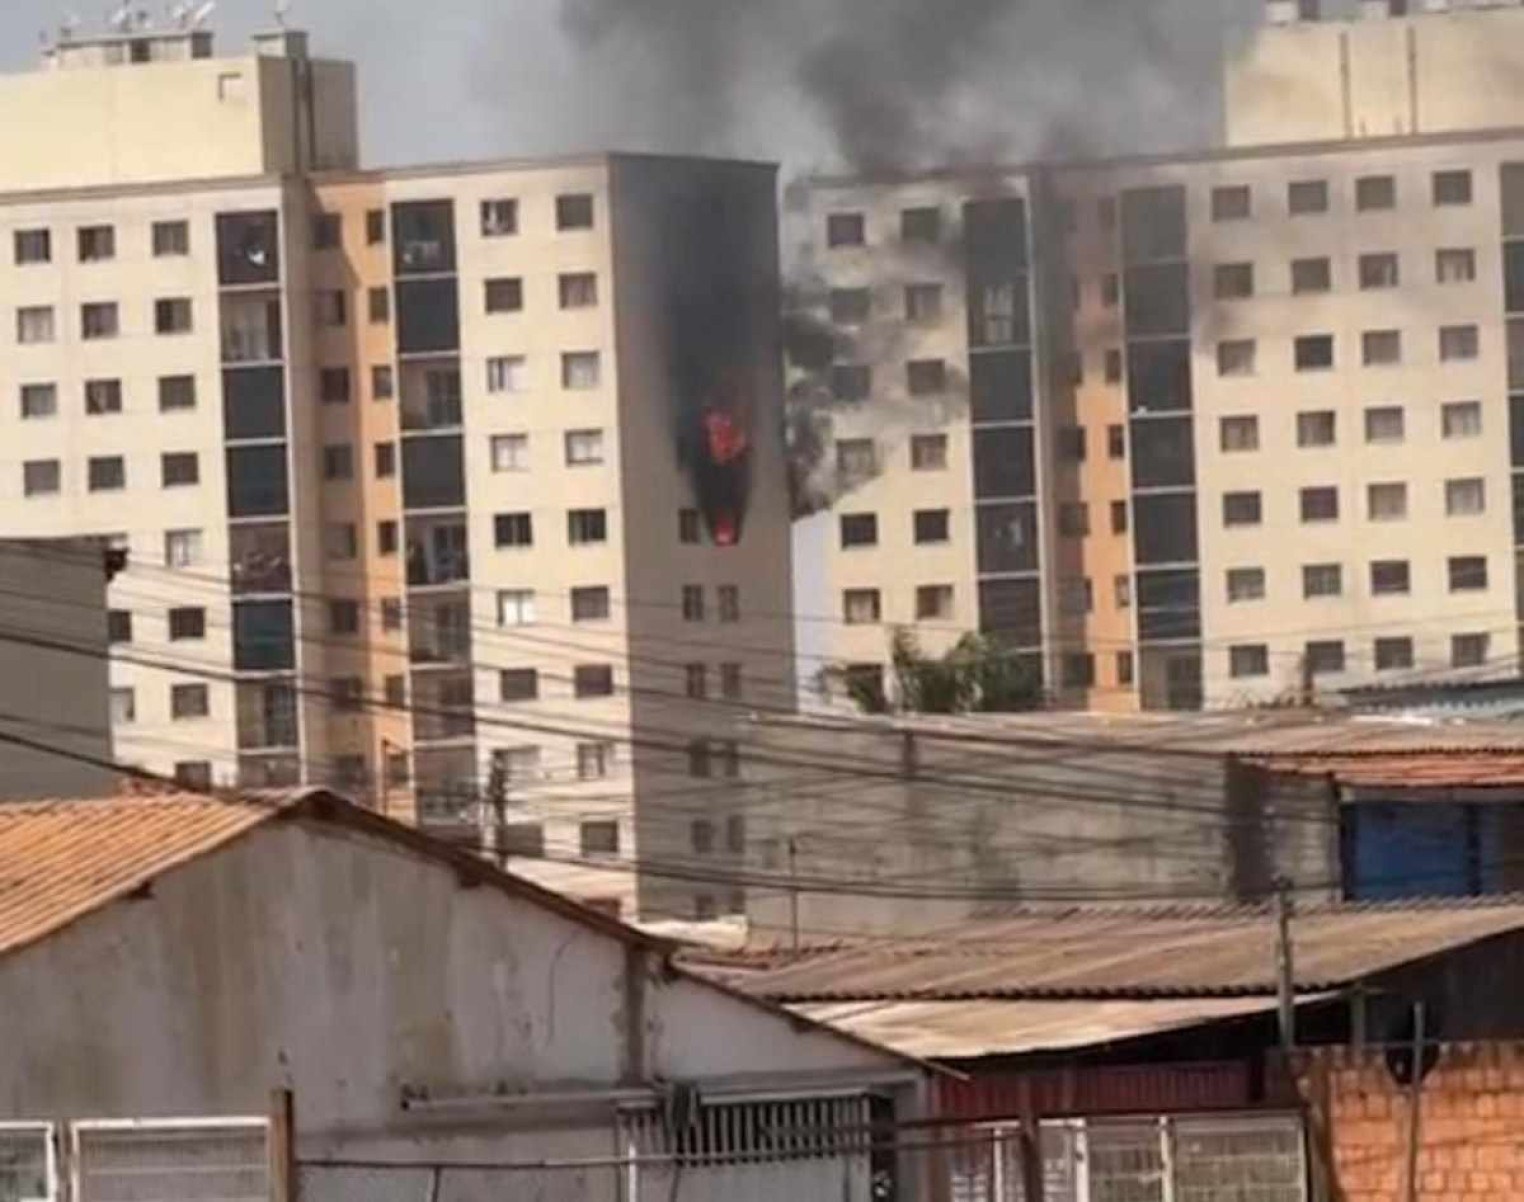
(1168, 605)
(96, 243)
(586, 526)
(688, 526)
(33, 246)
(1379, 271)
(1389, 576)
(1124, 668)
(179, 468)
(518, 684)
(256, 480)
(1240, 433)
(107, 473)
(850, 306)
(590, 603)
(385, 460)
(1314, 352)
(1311, 275)
(851, 381)
(513, 530)
(500, 218)
(248, 248)
(375, 227)
(176, 392)
(254, 402)
(1011, 609)
(1233, 281)
(344, 617)
(327, 231)
(574, 211)
(859, 530)
(593, 680)
(1320, 504)
(1007, 536)
(1073, 519)
(600, 838)
(1000, 386)
(1375, 192)
(1113, 366)
(103, 396)
(1467, 573)
(187, 622)
(119, 626)
(170, 238)
(1163, 454)
(433, 472)
(926, 377)
(1164, 528)
(1316, 429)
(378, 305)
(1157, 299)
(99, 319)
(263, 636)
(1119, 517)
(172, 316)
(921, 225)
(1159, 376)
(577, 290)
(1322, 580)
(1324, 657)
(505, 295)
(338, 461)
(1116, 442)
(845, 229)
(1393, 654)
(931, 525)
(423, 238)
(1071, 443)
(428, 316)
(386, 537)
(333, 385)
(1241, 509)
(1249, 660)
(193, 774)
(1381, 348)
(1003, 465)
(1307, 196)
(1231, 203)
(1452, 187)
(260, 554)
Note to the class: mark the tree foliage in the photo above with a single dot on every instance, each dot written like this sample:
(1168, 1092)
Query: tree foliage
(977, 675)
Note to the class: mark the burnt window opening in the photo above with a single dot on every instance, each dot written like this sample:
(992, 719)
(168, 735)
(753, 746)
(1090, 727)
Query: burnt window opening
(248, 248)
(851, 381)
(433, 472)
(428, 316)
(254, 402)
(1153, 224)
(1000, 386)
(1163, 453)
(1164, 528)
(574, 211)
(1003, 463)
(922, 225)
(423, 237)
(1159, 376)
(845, 229)
(1157, 299)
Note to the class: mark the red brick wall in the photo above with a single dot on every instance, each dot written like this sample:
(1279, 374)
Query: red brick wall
(1471, 1124)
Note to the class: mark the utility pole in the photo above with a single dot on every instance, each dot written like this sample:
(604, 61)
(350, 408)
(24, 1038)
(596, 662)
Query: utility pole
(494, 818)
(1415, 1099)
(1285, 973)
(793, 890)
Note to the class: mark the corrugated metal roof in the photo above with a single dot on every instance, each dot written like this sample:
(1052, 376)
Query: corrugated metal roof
(1419, 768)
(1113, 954)
(62, 859)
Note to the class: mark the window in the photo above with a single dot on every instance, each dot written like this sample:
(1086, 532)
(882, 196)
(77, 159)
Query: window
(1378, 271)
(1124, 668)
(170, 238)
(578, 290)
(103, 397)
(1393, 654)
(600, 838)
(344, 617)
(933, 602)
(860, 606)
(517, 763)
(1315, 429)
(510, 452)
(96, 243)
(99, 319)
(1310, 275)
(330, 307)
(124, 707)
(688, 526)
(34, 324)
(730, 682)
(1324, 657)
(518, 684)
(696, 681)
(728, 602)
(504, 295)
(106, 473)
(506, 373)
(593, 680)
(1386, 502)
(1252, 659)
(693, 602)
(574, 211)
(500, 217)
(40, 477)
(1455, 266)
(179, 468)
(173, 315)
(1320, 504)
(1077, 670)
(1322, 580)
(1467, 573)
(584, 447)
(1384, 424)
(1246, 584)
(338, 461)
(391, 614)
(385, 457)
(1458, 342)
(1307, 196)
(1076, 595)
(33, 246)
(1071, 443)
(1389, 577)
(1231, 203)
(1464, 498)
(1235, 357)
(1452, 187)
(586, 526)
(590, 603)
(346, 693)
(1238, 433)
(1375, 192)
(327, 231)
(396, 697)
(1074, 519)
(594, 760)
(1113, 367)
(1121, 591)
(515, 607)
(856, 458)
(845, 229)
(850, 306)
(193, 774)
(1461, 419)
(39, 400)
(580, 370)
(930, 526)
(375, 227)
(1233, 281)
(513, 530)
(922, 225)
(386, 537)
(1119, 517)
(1116, 442)
(333, 385)
(1314, 352)
(1381, 348)
(851, 381)
(1111, 290)
(378, 302)
(176, 392)
(926, 377)
(859, 529)
(928, 452)
(119, 626)
(341, 540)
(1240, 509)
(923, 302)
(187, 622)
(182, 548)
(1468, 650)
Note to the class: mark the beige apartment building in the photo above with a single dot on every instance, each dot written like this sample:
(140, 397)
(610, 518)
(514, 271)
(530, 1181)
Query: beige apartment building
(1211, 429)
(460, 489)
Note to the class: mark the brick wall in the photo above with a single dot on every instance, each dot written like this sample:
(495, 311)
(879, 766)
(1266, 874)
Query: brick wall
(1471, 1125)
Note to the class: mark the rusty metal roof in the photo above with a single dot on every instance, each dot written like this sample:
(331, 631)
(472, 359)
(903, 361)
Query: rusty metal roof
(1416, 768)
(1097, 955)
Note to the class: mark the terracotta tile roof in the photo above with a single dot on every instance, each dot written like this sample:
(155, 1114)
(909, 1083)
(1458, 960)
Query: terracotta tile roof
(60, 860)
(1418, 768)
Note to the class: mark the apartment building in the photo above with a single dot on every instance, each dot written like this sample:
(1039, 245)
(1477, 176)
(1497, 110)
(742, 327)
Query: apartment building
(1228, 427)
(460, 489)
